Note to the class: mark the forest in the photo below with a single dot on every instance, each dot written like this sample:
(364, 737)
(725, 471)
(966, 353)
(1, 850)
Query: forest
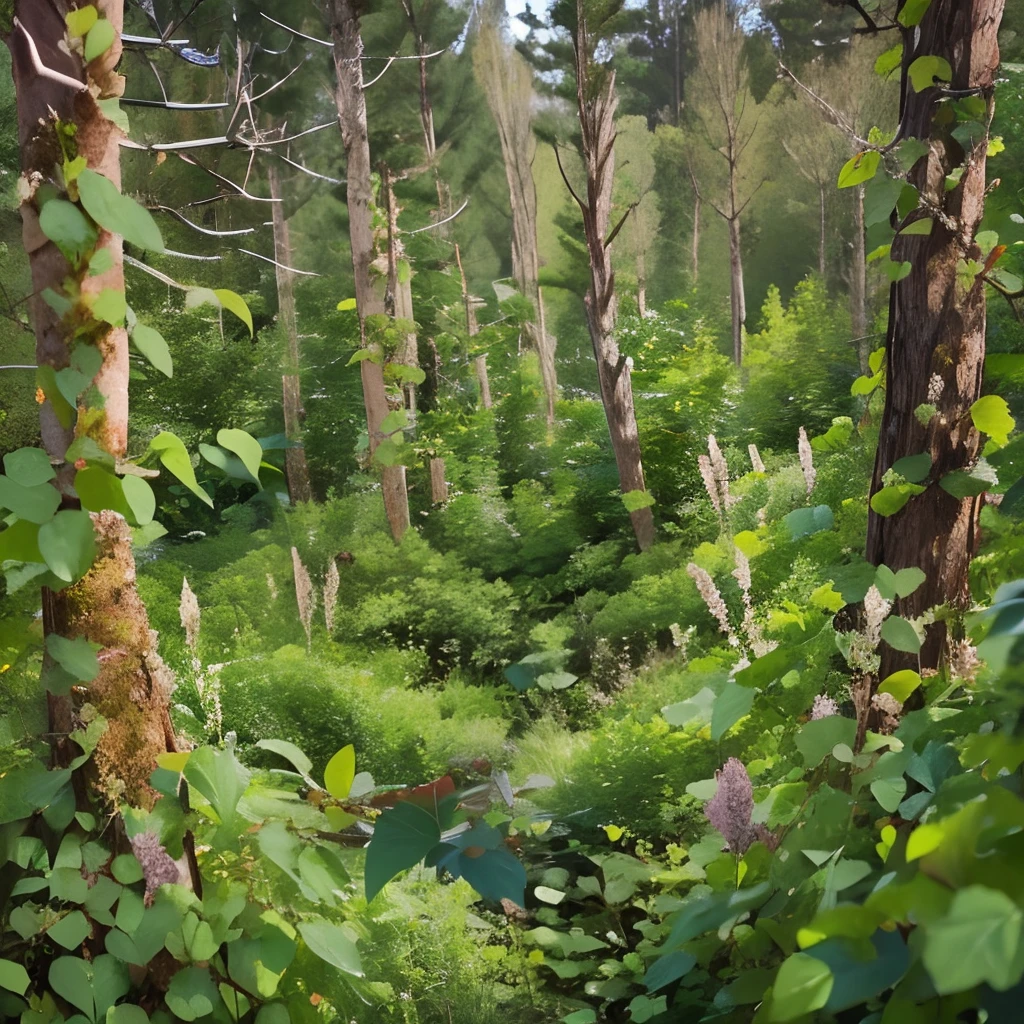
(512, 512)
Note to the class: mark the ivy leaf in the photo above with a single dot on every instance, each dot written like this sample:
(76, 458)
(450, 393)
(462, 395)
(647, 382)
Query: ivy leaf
(802, 986)
(346, 305)
(68, 544)
(99, 40)
(898, 633)
(925, 70)
(889, 61)
(171, 452)
(77, 656)
(118, 213)
(80, 21)
(921, 226)
(68, 228)
(151, 344)
(913, 468)
(234, 303)
(970, 483)
(246, 447)
(889, 500)
(897, 271)
(140, 499)
(110, 306)
(803, 522)
(991, 415)
(333, 944)
(978, 940)
(402, 837)
(13, 977)
(913, 11)
(859, 168)
(29, 466)
(340, 771)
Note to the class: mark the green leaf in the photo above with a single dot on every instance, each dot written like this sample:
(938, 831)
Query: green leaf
(346, 305)
(13, 977)
(71, 979)
(880, 197)
(913, 11)
(889, 500)
(174, 457)
(29, 466)
(889, 61)
(127, 1014)
(991, 415)
(898, 584)
(859, 168)
(901, 635)
(99, 489)
(816, 739)
(35, 504)
(732, 704)
(245, 446)
(970, 483)
(897, 271)
(291, 753)
(636, 500)
(978, 940)
(803, 522)
(68, 544)
(234, 303)
(68, 228)
(921, 226)
(402, 837)
(80, 21)
(110, 306)
(126, 869)
(226, 463)
(151, 344)
(363, 353)
(99, 40)
(71, 930)
(668, 968)
(913, 468)
(220, 778)
(140, 498)
(924, 71)
(119, 214)
(889, 792)
(802, 986)
(192, 994)
(340, 771)
(388, 453)
(77, 656)
(333, 944)
(86, 361)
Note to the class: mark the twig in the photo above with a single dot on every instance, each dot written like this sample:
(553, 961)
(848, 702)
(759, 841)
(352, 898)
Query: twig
(437, 224)
(572, 191)
(202, 230)
(42, 70)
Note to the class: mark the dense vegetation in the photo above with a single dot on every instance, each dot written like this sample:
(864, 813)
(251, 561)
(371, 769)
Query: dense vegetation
(578, 507)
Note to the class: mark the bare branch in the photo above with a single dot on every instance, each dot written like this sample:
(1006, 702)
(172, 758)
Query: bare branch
(227, 181)
(150, 42)
(618, 227)
(42, 70)
(306, 170)
(296, 32)
(127, 101)
(131, 261)
(267, 259)
(437, 224)
(377, 78)
(572, 191)
(189, 256)
(20, 366)
(205, 231)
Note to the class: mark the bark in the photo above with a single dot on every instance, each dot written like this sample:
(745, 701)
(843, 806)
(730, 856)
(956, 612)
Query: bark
(507, 83)
(596, 103)
(936, 334)
(485, 385)
(295, 467)
(821, 229)
(859, 282)
(438, 484)
(351, 104)
(736, 301)
(133, 686)
(695, 243)
(641, 274)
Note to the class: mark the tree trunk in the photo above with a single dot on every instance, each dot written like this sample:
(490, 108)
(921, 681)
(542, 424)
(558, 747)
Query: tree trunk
(737, 302)
(485, 385)
(695, 242)
(351, 104)
(859, 282)
(508, 86)
(821, 229)
(133, 686)
(596, 103)
(438, 484)
(935, 345)
(641, 272)
(295, 467)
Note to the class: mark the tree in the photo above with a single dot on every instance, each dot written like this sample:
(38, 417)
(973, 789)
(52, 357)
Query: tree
(589, 22)
(935, 344)
(344, 18)
(507, 83)
(728, 118)
(636, 200)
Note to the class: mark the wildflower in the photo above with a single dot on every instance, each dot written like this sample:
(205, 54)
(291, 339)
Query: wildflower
(272, 587)
(718, 464)
(158, 867)
(713, 599)
(188, 610)
(936, 385)
(732, 806)
(305, 595)
(331, 584)
(963, 660)
(890, 710)
(710, 484)
(755, 459)
(807, 460)
(824, 707)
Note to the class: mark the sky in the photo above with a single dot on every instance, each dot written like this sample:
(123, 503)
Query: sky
(515, 7)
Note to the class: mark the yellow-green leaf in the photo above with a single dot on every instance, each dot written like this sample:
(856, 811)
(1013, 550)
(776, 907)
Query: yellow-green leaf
(340, 771)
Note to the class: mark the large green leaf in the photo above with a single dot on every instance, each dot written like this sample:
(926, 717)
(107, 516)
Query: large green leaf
(68, 228)
(732, 704)
(220, 777)
(36, 504)
(171, 452)
(77, 656)
(816, 739)
(29, 467)
(68, 544)
(802, 522)
(978, 940)
(802, 986)
(924, 71)
(13, 977)
(859, 168)
(340, 771)
(991, 415)
(245, 446)
(402, 837)
(119, 214)
(333, 944)
(900, 634)
(151, 344)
